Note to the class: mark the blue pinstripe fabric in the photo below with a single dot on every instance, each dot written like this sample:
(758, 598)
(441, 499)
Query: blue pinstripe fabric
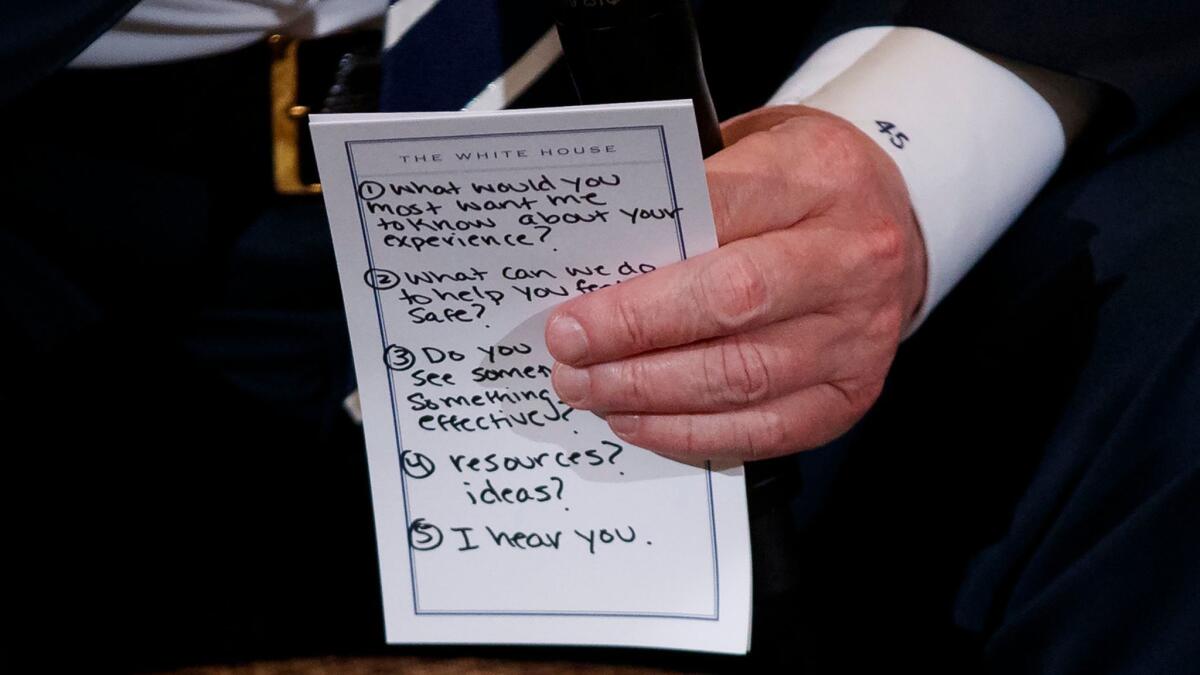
(456, 49)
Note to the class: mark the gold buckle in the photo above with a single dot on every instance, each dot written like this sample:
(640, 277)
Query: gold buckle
(286, 117)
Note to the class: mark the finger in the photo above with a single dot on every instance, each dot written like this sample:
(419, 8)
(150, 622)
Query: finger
(716, 375)
(787, 165)
(751, 190)
(736, 128)
(745, 285)
(800, 421)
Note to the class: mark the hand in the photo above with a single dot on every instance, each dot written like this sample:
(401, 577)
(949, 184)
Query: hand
(779, 340)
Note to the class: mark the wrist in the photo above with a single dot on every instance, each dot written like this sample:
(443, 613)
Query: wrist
(875, 182)
(973, 142)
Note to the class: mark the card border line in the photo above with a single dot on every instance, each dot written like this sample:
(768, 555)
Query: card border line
(417, 611)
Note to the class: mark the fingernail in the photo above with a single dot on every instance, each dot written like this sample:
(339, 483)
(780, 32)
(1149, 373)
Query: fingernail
(572, 384)
(623, 424)
(566, 340)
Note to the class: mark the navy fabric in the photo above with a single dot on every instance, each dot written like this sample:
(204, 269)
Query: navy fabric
(456, 49)
(38, 38)
(1101, 533)
(1145, 50)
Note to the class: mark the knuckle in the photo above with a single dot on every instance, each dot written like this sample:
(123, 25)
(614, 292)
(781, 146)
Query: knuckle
(878, 247)
(767, 435)
(690, 441)
(859, 394)
(841, 145)
(767, 143)
(733, 290)
(736, 372)
(634, 382)
(887, 324)
(884, 241)
(631, 323)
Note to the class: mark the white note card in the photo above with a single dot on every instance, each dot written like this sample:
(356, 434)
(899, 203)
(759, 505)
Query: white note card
(503, 516)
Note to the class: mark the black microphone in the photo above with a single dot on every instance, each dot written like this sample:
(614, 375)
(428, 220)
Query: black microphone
(621, 51)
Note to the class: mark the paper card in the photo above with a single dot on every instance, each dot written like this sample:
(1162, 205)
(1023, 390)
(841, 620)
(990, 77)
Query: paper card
(503, 515)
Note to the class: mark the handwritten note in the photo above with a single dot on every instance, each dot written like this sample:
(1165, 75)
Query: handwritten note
(502, 514)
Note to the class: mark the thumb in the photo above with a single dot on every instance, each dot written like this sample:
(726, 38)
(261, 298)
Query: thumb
(735, 129)
(757, 183)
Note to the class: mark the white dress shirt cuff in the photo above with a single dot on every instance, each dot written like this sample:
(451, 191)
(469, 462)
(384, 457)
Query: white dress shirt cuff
(973, 142)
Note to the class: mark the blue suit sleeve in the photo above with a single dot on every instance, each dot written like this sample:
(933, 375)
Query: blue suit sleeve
(1147, 51)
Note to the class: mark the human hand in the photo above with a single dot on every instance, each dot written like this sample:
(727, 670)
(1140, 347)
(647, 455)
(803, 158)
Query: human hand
(779, 340)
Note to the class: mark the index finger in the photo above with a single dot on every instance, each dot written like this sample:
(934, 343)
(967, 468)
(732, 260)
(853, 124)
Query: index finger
(748, 283)
(775, 174)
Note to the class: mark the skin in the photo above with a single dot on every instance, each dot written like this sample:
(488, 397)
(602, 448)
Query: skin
(780, 339)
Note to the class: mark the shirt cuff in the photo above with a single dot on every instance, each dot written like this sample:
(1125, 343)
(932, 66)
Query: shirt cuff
(973, 142)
